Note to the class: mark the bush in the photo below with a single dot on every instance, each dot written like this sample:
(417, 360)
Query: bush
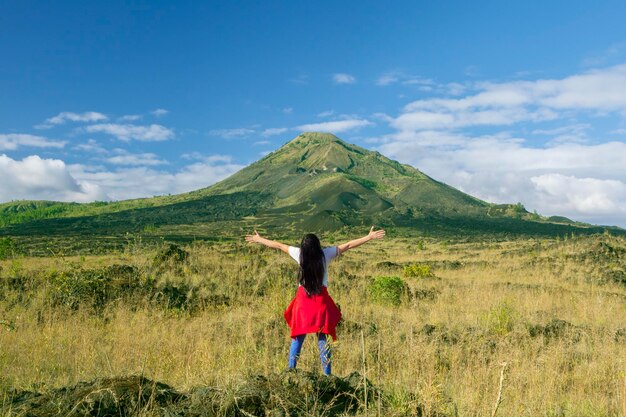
(418, 271)
(500, 319)
(170, 256)
(78, 286)
(8, 248)
(388, 290)
(93, 287)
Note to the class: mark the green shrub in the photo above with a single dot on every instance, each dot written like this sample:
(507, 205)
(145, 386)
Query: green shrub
(500, 319)
(418, 271)
(8, 248)
(388, 290)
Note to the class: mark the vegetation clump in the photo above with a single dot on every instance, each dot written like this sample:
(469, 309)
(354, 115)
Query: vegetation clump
(426, 294)
(74, 287)
(170, 255)
(500, 319)
(289, 393)
(121, 396)
(95, 287)
(440, 333)
(556, 329)
(388, 290)
(8, 248)
(620, 335)
(418, 271)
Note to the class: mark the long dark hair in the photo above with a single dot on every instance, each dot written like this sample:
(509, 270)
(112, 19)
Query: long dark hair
(311, 273)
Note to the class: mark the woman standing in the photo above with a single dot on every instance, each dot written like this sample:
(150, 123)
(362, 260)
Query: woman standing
(312, 310)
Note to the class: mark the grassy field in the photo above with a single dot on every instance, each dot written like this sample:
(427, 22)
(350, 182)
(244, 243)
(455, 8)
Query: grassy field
(435, 325)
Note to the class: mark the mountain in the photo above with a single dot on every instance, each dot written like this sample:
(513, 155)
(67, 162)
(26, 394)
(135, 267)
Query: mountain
(316, 182)
(319, 181)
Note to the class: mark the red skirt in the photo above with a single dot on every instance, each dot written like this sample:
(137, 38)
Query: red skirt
(312, 314)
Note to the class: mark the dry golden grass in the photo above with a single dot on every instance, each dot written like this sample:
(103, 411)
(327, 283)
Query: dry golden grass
(486, 298)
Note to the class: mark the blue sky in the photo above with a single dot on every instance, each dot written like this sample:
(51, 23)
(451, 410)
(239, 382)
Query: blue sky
(508, 102)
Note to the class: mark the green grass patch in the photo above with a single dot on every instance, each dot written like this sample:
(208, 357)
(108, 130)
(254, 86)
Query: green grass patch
(388, 290)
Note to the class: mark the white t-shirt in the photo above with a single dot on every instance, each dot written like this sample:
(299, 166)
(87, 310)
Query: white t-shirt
(330, 253)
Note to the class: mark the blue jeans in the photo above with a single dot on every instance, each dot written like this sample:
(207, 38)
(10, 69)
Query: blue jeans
(296, 347)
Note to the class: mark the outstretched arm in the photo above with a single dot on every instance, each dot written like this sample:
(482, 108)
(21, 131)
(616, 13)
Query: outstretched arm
(378, 234)
(256, 238)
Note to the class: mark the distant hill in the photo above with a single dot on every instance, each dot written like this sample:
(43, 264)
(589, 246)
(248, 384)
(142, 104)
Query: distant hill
(316, 182)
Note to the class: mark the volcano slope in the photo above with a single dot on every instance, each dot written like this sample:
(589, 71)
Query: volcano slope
(316, 182)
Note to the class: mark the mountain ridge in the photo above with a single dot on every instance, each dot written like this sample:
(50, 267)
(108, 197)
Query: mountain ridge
(314, 182)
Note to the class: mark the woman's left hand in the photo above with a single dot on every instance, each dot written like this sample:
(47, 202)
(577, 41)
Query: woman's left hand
(376, 234)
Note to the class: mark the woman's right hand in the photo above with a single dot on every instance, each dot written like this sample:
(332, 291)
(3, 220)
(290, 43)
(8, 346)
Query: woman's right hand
(255, 238)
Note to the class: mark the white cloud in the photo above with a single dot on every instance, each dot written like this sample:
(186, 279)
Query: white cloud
(580, 127)
(567, 174)
(232, 133)
(326, 113)
(588, 196)
(124, 157)
(288, 110)
(207, 158)
(343, 78)
(34, 178)
(455, 89)
(504, 169)
(126, 132)
(63, 117)
(394, 77)
(12, 141)
(192, 155)
(302, 79)
(274, 131)
(388, 78)
(609, 55)
(336, 126)
(419, 81)
(137, 182)
(91, 146)
(602, 90)
(565, 134)
(130, 118)
(262, 142)
(159, 112)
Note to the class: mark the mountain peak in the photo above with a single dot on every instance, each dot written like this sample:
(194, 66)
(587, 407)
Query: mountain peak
(317, 151)
(318, 171)
(316, 137)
